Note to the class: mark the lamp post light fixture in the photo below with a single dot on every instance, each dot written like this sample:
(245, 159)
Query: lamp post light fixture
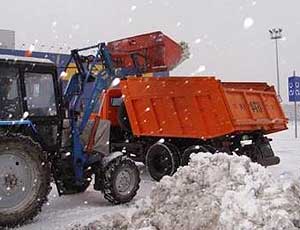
(276, 33)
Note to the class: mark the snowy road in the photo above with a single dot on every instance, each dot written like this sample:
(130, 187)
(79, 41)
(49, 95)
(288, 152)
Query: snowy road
(63, 212)
(288, 149)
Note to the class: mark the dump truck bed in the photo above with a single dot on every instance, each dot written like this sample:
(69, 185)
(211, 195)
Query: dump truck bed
(200, 107)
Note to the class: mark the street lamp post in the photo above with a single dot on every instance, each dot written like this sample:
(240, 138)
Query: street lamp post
(275, 35)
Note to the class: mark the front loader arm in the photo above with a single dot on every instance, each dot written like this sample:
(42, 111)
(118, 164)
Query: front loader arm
(72, 96)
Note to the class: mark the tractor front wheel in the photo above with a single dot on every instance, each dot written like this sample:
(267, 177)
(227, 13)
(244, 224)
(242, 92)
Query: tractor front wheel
(121, 180)
(24, 179)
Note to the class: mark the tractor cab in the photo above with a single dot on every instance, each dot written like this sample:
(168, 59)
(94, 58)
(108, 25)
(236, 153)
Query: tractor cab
(29, 86)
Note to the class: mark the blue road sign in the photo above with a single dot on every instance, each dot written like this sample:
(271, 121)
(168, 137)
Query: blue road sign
(294, 88)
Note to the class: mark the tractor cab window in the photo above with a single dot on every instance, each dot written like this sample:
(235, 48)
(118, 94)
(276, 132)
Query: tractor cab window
(40, 95)
(10, 106)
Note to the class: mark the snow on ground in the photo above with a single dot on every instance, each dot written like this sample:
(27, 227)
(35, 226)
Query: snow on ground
(215, 192)
(67, 211)
(287, 148)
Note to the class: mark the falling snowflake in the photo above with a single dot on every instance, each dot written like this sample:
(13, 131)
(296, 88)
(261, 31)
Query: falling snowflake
(197, 41)
(63, 74)
(201, 69)
(54, 24)
(115, 82)
(25, 115)
(133, 8)
(129, 20)
(162, 140)
(248, 22)
(178, 24)
(31, 48)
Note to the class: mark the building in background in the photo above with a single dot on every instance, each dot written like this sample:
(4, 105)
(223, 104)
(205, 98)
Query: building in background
(7, 39)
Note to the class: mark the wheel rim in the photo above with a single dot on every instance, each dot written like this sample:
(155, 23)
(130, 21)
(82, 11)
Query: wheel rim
(18, 179)
(125, 181)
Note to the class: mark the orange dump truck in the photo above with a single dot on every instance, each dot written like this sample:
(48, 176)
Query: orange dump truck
(162, 121)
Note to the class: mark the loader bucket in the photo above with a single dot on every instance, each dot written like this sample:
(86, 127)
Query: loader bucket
(153, 52)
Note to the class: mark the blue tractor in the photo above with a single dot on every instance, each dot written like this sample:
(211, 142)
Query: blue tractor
(42, 129)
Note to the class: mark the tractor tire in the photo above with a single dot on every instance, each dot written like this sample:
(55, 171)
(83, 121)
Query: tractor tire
(121, 180)
(186, 156)
(162, 159)
(24, 179)
(123, 119)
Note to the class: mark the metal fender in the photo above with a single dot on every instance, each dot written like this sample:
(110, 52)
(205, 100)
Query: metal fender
(111, 157)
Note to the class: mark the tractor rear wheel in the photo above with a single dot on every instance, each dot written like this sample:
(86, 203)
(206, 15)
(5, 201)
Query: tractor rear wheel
(24, 179)
(162, 159)
(121, 180)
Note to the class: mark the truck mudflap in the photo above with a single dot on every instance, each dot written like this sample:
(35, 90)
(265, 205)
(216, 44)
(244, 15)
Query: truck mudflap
(269, 161)
(265, 154)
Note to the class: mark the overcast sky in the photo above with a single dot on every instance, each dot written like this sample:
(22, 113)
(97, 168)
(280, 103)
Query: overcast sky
(228, 38)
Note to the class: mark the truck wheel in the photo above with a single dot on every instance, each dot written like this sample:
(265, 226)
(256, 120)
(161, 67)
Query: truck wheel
(123, 119)
(162, 159)
(186, 156)
(24, 179)
(121, 180)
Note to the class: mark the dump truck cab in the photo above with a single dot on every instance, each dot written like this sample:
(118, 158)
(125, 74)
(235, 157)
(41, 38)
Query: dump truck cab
(29, 86)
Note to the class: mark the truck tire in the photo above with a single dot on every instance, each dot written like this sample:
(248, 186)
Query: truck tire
(24, 179)
(162, 159)
(123, 119)
(121, 180)
(186, 156)
(261, 152)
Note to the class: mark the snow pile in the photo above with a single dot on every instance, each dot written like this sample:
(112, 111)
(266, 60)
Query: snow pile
(215, 192)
